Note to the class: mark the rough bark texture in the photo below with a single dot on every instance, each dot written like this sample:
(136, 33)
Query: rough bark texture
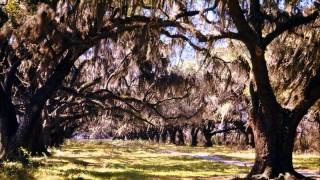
(274, 130)
(274, 147)
(273, 127)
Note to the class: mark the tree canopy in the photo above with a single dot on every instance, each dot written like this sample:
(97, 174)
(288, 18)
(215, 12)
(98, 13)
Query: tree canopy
(67, 64)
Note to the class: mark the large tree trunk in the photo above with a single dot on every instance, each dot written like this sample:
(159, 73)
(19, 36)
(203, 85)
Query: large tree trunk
(172, 134)
(36, 144)
(208, 138)
(274, 128)
(180, 137)
(274, 147)
(30, 134)
(194, 136)
(8, 123)
(164, 135)
(157, 137)
(249, 137)
(3, 142)
(274, 136)
(151, 134)
(207, 128)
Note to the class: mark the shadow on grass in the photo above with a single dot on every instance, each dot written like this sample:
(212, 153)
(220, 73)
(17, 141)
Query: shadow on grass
(126, 174)
(145, 168)
(16, 171)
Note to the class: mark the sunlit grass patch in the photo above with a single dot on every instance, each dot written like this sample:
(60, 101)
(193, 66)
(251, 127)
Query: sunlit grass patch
(307, 161)
(135, 160)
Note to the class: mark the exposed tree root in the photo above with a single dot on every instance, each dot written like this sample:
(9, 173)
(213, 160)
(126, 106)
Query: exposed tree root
(282, 176)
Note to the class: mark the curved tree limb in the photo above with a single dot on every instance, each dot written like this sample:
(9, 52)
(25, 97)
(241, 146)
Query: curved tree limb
(293, 22)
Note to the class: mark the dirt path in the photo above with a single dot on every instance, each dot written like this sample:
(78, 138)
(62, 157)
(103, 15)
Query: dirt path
(229, 161)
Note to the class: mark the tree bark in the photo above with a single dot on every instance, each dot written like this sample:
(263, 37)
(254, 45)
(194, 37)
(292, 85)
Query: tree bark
(172, 133)
(194, 136)
(274, 127)
(274, 147)
(3, 18)
(274, 134)
(3, 142)
(8, 123)
(30, 133)
(164, 135)
(207, 129)
(208, 138)
(157, 137)
(249, 137)
(180, 137)
(151, 134)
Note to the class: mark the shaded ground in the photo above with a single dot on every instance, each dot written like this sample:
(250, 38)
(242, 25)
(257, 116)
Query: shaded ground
(138, 160)
(242, 163)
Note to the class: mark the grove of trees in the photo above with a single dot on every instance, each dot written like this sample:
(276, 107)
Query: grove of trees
(73, 66)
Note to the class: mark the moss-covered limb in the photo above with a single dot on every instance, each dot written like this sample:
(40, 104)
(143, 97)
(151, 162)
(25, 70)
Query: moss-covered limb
(3, 17)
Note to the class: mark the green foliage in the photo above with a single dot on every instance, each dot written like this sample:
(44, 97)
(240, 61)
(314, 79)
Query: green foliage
(12, 8)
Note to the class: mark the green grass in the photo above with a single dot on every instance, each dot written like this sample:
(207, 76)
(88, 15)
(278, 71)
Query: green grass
(135, 160)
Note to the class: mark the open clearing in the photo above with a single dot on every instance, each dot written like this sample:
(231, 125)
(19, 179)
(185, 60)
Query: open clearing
(142, 160)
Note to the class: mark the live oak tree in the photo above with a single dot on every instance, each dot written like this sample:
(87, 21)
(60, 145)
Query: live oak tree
(39, 49)
(274, 126)
(257, 24)
(40, 42)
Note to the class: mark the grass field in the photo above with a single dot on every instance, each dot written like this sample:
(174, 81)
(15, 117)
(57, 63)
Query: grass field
(137, 160)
